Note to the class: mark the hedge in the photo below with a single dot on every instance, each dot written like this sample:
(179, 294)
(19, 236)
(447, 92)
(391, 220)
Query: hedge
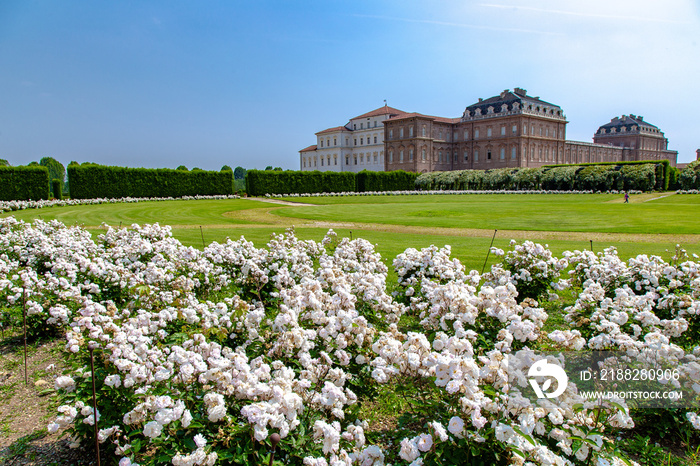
(88, 181)
(606, 176)
(398, 180)
(689, 177)
(261, 182)
(24, 183)
(662, 174)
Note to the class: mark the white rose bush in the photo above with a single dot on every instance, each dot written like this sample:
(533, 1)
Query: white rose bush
(201, 355)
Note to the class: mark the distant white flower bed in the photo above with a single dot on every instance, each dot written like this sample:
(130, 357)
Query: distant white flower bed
(424, 193)
(11, 206)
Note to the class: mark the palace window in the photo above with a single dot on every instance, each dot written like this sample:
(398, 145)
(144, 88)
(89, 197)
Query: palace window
(488, 155)
(476, 155)
(476, 133)
(515, 129)
(423, 155)
(466, 156)
(488, 132)
(375, 139)
(401, 155)
(466, 134)
(503, 153)
(410, 155)
(503, 130)
(410, 131)
(513, 151)
(321, 142)
(391, 134)
(401, 132)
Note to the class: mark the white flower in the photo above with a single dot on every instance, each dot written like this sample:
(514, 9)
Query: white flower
(152, 429)
(425, 442)
(456, 426)
(200, 441)
(113, 380)
(409, 450)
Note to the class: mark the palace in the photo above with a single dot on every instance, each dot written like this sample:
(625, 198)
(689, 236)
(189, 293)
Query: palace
(357, 146)
(508, 130)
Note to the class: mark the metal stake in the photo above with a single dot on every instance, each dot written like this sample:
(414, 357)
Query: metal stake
(24, 320)
(274, 440)
(202, 232)
(350, 235)
(591, 245)
(91, 347)
(489, 252)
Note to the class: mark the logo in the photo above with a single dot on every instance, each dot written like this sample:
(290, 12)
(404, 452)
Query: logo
(544, 369)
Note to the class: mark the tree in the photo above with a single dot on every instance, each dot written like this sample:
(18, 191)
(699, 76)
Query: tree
(239, 173)
(226, 168)
(277, 169)
(4, 163)
(182, 167)
(56, 172)
(268, 168)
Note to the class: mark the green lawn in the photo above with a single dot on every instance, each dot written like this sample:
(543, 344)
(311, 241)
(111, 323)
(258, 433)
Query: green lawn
(471, 251)
(674, 214)
(567, 212)
(203, 212)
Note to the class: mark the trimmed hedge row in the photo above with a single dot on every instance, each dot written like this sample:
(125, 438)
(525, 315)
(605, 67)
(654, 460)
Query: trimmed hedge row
(638, 176)
(24, 183)
(90, 181)
(689, 178)
(261, 182)
(398, 180)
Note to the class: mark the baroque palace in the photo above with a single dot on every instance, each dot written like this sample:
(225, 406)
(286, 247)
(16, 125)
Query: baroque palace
(508, 130)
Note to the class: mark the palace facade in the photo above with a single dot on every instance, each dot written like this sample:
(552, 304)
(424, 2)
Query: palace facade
(357, 146)
(508, 130)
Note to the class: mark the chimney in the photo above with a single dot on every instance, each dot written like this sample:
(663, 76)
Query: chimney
(640, 118)
(697, 156)
(480, 99)
(520, 91)
(634, 117)
(503, 94)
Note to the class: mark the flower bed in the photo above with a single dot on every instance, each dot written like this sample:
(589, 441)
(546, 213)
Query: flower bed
(202, 355)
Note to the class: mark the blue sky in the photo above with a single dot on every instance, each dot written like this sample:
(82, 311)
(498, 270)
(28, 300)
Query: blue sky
(207, 83)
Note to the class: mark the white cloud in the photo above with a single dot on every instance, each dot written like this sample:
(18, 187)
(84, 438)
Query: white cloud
(461, 25)
(592, 13)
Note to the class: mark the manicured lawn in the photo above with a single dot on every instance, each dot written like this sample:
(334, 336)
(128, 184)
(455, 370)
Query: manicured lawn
(471, 251)
(586, 213)
(203, 212)
(649, 214)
